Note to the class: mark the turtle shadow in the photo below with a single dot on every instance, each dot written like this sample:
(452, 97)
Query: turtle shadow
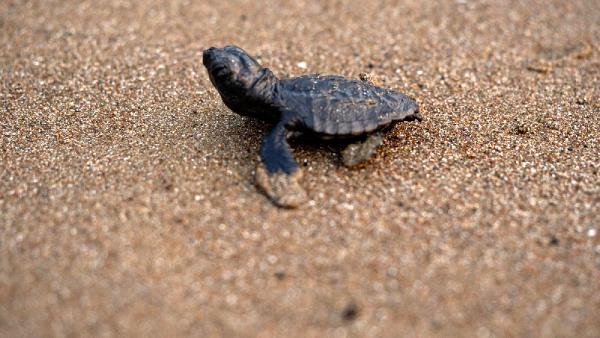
(307, 147)
(310, 148)
(248, 134)
(230, 139)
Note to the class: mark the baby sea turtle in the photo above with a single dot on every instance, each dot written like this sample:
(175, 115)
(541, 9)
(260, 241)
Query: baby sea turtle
(326, 106)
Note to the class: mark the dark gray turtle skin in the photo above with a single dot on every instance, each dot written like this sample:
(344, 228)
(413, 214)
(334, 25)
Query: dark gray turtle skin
(323, 105)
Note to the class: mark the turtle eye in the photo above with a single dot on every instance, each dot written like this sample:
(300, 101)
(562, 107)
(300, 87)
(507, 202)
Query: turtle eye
(219, 70)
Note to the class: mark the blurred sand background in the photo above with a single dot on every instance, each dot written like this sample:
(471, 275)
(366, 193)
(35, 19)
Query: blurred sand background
(127, 204)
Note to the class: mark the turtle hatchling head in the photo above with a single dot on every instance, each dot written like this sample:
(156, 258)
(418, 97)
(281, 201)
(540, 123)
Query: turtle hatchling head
(245, 86)
(232, 70)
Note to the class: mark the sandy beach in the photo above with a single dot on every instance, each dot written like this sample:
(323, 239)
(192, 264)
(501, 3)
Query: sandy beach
(127, 198)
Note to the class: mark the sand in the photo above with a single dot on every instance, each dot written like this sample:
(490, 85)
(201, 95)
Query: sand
(127, 202)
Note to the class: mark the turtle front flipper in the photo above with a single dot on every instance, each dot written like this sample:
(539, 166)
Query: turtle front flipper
(278, 173)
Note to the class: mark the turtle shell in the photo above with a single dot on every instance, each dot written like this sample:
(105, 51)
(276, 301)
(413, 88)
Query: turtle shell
(334, 105)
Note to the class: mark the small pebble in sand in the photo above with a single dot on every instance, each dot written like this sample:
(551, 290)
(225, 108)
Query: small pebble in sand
(350, 312)
(302, 65)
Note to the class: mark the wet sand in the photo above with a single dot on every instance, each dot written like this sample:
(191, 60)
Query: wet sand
(127, 203)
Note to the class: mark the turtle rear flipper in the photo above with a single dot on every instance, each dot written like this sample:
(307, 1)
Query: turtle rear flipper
(278, 173)
(358, 152)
